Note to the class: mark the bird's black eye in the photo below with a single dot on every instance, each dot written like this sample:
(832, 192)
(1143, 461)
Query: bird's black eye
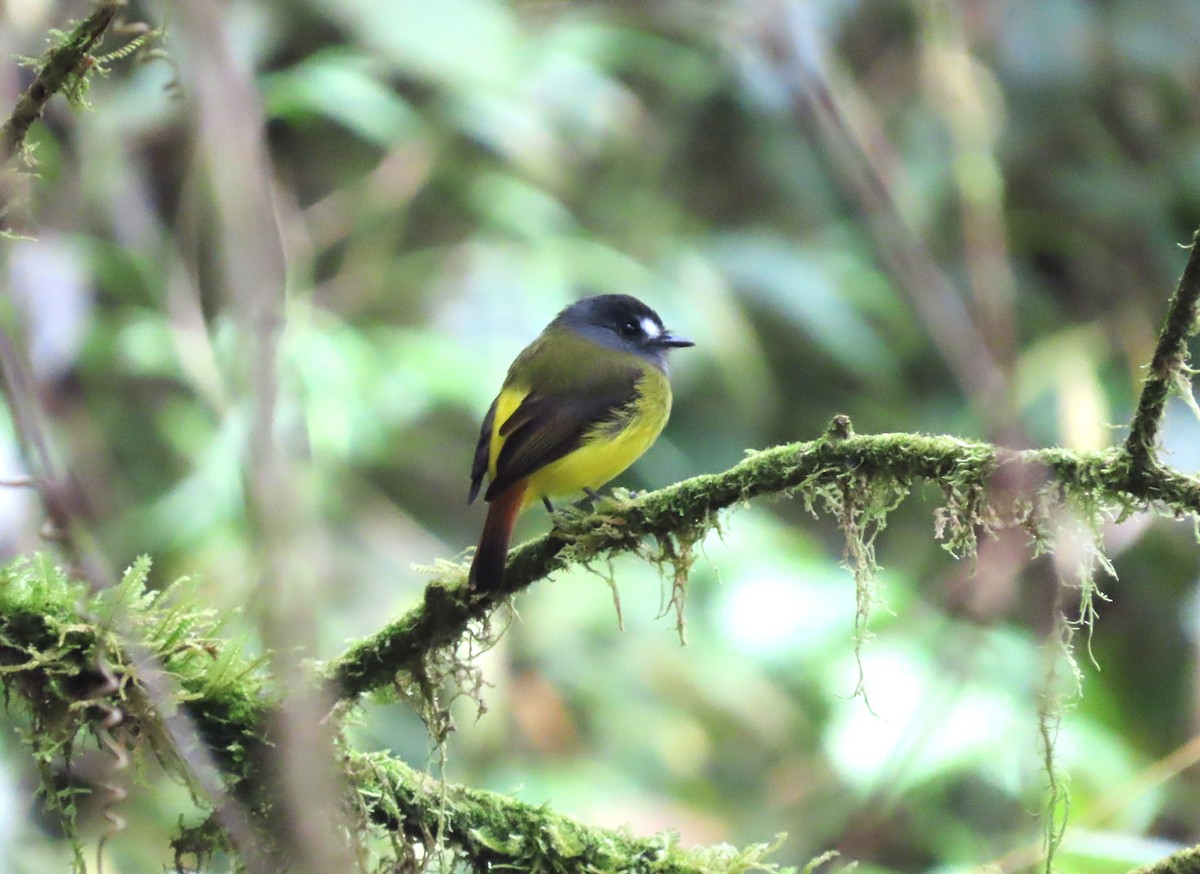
(630, 329)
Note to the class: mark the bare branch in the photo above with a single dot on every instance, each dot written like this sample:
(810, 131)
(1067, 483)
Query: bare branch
(231, 135)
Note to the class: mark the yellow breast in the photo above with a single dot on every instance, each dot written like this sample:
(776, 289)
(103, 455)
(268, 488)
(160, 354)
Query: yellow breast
(606, 450)
(603, 454)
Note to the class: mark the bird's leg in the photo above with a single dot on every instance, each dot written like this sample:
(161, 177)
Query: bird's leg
(592, 494)
(558, 518)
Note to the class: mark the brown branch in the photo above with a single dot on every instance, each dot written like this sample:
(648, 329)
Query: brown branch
(63, 63)
(286, 557)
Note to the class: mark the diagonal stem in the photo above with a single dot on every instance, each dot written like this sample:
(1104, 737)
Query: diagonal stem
(1168, 365)
(62, 62)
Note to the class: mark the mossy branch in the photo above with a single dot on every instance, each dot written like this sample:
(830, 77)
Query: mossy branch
(65, 64)
(449, 607)
(1184, 862)
(499, 833)
(53, 633)
(1169, 367)
(49, 645)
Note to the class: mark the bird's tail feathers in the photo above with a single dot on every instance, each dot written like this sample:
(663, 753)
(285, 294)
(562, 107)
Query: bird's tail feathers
(487, 568)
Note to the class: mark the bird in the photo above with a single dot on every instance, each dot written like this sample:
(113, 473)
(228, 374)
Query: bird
(580, 404)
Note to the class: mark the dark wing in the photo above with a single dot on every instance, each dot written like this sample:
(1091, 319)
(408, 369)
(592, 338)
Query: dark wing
(480, 465)
(544, 428)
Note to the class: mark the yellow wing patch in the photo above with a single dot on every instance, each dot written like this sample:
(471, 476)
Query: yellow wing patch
(506, 404)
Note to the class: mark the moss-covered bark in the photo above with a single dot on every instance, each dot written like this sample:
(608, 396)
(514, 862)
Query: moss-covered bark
(64, 68)
(449, 607)
(53, 634)
(495, 832)
(1169, 367)
(1184, 862)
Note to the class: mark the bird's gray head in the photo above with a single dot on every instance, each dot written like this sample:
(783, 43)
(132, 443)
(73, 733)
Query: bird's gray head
(622, 322)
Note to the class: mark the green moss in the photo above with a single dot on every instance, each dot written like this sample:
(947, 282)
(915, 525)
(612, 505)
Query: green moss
(484, 831)
(64, 662)
(195, 846)
(60, 655)
(1184, 862)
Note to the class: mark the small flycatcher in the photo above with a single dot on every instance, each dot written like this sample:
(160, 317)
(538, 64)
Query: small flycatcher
(580, 404)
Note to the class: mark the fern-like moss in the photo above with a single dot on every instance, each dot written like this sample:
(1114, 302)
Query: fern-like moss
(64, 661)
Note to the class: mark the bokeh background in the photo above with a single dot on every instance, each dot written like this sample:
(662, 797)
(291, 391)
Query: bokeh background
(952, 217)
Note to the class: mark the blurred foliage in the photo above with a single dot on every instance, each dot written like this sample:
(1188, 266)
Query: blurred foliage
(447, 176)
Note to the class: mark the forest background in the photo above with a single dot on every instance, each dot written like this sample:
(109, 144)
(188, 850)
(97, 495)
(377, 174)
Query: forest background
(954, 218)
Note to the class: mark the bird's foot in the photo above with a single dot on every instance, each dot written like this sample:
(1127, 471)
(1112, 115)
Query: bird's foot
(565, 519)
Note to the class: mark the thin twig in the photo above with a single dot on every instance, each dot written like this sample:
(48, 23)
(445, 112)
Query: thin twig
(62, 63)
(1169, 365)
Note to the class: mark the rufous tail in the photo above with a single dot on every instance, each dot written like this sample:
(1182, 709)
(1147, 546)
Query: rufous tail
(487, 569)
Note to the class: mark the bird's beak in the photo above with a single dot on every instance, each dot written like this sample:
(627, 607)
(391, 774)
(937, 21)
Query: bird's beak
(674, 341)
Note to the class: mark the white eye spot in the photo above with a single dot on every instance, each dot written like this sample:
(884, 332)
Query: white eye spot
(650, 329)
